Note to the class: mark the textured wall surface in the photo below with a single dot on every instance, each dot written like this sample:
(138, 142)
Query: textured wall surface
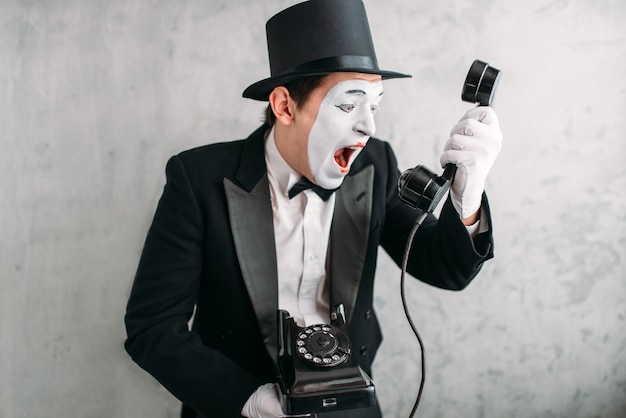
(96, 95)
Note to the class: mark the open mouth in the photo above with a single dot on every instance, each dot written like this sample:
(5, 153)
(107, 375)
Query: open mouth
(343, 156)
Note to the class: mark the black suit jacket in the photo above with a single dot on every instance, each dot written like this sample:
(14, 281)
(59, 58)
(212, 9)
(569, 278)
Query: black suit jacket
(210, 253)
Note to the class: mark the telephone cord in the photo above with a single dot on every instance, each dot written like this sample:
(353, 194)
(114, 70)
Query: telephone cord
(405, 260)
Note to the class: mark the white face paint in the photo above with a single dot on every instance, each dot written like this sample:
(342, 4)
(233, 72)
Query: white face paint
(344, 124)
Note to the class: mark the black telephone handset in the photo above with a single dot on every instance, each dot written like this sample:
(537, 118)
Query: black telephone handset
(422, 189)
(419, 187)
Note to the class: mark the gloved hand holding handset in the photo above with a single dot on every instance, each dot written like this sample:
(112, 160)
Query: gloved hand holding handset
(468, 154)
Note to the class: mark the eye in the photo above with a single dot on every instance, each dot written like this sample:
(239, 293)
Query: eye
(346, 107)
(375, 108)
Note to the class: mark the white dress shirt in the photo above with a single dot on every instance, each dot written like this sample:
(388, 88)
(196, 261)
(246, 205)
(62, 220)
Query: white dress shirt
(301, 231)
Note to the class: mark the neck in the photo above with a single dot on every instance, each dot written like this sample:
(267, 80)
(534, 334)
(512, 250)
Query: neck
(293, 149)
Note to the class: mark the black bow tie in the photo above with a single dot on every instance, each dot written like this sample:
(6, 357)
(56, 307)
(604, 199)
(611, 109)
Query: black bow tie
(304, 184)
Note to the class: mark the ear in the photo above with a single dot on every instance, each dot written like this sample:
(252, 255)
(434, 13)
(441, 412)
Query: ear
(282, 105)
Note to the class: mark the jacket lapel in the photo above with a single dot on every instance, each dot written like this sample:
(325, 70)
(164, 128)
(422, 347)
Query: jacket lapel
(348, 238)
(250, 215)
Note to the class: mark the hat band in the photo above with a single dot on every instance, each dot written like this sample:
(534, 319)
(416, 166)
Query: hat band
(347, 62)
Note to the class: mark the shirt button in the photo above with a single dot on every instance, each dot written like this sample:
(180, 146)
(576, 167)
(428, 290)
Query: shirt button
(368, 314)
(363, 350)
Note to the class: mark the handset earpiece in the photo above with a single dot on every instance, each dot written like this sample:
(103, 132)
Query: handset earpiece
(419, 187)
(480, 84)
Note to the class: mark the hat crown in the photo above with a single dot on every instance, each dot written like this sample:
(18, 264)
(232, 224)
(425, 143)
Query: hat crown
(318, 29)
(318, 37)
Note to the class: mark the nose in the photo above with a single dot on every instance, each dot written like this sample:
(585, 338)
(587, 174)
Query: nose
(365, 125)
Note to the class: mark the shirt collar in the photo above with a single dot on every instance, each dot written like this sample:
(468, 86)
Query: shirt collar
(277, 168)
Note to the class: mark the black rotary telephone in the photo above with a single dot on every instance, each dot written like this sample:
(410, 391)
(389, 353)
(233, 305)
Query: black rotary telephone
(317, 369)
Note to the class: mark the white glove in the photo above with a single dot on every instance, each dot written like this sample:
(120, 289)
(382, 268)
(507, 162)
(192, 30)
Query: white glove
(473, 147)
(263, 403)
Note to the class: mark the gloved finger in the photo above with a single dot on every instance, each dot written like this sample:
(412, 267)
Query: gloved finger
(482, 114)
(454, 144)
(469, 143)
(473, 127)
(463, 129)
(492, 142)
(269, 402)
(263, 403)
(458, 158)
(462, 150)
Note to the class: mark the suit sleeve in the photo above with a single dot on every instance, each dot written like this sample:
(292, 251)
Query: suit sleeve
(161, 304)
(442, 254)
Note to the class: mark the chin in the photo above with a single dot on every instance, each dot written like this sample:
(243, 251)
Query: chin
(332, 181)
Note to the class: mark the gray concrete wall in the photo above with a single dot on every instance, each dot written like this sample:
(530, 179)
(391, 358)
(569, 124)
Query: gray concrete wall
(96, 95)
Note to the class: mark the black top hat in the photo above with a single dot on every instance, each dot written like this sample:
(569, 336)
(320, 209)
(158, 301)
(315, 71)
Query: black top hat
(318, 37)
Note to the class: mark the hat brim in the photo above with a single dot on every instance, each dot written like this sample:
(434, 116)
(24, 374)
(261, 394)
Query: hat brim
(262, 89)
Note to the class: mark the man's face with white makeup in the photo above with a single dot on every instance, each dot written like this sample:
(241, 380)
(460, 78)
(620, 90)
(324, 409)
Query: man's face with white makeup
(335, 124)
